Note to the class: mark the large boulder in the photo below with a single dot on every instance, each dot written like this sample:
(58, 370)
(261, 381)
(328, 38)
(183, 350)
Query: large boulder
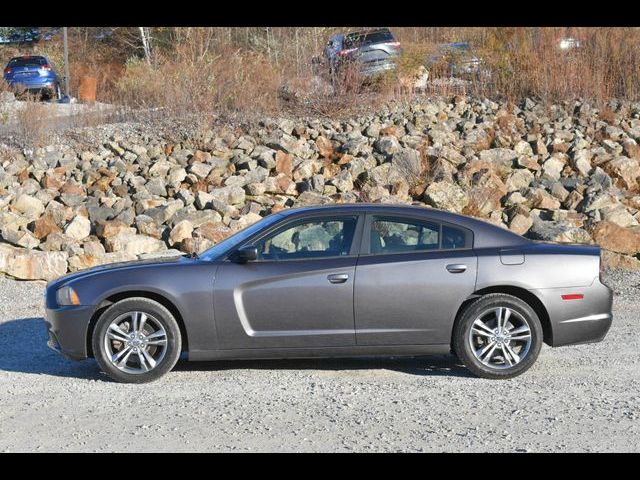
(446, 196)
(32, 264)
(134, 244)
(181, 231)
(79, 228)
(519, 180)
(557, 231)
(29, 206)
(616, 238)
(502, 159)
(231, 195)
(626, 170)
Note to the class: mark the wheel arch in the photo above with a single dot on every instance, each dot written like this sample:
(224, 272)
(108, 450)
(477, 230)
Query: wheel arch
(523, 294)
(116, 297)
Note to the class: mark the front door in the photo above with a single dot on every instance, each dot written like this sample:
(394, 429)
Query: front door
(298, 293)
(412, 280)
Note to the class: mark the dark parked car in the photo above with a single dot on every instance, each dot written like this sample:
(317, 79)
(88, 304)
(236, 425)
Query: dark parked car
(20, 35)
(337, 281)
(34, 74)
(455, 60)
(372, 51)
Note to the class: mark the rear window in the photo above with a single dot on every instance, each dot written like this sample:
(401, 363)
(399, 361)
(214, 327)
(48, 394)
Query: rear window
(359, 39)
(27, 62)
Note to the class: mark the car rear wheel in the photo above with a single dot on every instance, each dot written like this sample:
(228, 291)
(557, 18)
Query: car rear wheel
(498, 336)
(136, 340)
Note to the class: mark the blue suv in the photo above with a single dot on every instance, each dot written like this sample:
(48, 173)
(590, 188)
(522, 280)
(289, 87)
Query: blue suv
(33, 74)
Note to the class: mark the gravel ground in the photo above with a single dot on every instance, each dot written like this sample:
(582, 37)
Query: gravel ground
(582, 398)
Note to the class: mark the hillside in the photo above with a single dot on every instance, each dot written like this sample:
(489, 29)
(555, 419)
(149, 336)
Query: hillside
(122, 191)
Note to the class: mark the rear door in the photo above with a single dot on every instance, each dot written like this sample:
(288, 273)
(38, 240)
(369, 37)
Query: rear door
(411, 278)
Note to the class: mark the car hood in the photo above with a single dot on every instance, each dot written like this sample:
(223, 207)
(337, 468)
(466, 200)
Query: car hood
(118, 266)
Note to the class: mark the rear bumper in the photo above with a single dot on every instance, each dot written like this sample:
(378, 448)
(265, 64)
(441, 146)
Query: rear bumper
(377, 68)
(583, 320)
(67, 328)
(592, 328)
(34, 85)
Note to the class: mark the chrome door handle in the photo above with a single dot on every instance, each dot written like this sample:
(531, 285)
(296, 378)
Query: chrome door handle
(456, 268)
(338, 278)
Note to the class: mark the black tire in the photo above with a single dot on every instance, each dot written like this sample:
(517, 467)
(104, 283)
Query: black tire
(159, 314)
(462, 344)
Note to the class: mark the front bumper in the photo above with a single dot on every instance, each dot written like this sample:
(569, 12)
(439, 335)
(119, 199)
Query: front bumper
(584, 320)
(67, 328)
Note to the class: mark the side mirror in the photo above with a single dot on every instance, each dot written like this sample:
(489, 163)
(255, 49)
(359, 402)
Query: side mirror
(245, 254)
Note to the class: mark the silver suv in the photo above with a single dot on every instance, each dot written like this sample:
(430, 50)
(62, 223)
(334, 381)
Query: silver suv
(373, 51)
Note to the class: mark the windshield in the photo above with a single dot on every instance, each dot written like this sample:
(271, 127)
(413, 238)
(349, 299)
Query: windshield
(237, 238)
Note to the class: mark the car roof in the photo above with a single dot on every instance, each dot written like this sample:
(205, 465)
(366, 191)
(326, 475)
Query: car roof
(363, 33)
(486, 235)
(29, 57)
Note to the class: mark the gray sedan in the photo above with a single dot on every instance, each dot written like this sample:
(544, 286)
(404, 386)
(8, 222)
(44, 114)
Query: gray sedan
(337, 281)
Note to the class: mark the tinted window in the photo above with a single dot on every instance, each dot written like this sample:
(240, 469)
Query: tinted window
(403, 235)
(392, 235)
(452, 237)
(323, 237)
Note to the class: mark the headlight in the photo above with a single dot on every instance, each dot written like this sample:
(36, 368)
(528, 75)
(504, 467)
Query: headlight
(67, 296)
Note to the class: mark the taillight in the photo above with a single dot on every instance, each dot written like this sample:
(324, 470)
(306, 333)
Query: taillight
(346, 51)
(395, 44)
(46, 66)
(7, 71)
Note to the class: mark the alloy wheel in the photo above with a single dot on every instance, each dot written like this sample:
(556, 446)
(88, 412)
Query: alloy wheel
(500, 338)
(135, 342)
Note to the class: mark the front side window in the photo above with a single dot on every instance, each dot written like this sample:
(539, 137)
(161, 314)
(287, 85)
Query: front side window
(318, 238)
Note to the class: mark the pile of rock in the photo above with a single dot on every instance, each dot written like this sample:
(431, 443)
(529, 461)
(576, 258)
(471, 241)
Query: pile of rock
(566, 173)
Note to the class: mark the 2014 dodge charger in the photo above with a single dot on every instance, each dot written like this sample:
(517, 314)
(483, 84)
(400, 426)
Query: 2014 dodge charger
(337, 281)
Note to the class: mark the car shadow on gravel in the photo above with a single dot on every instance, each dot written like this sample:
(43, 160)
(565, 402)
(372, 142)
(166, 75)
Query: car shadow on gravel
(435, 365)
(23, 344)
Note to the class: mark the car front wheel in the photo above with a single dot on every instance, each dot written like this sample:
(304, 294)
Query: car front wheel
(136, 340)
(498, 336)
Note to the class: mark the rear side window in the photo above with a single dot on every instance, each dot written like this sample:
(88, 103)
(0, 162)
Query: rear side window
(452, 237)
(395, 235)
(390, 235)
